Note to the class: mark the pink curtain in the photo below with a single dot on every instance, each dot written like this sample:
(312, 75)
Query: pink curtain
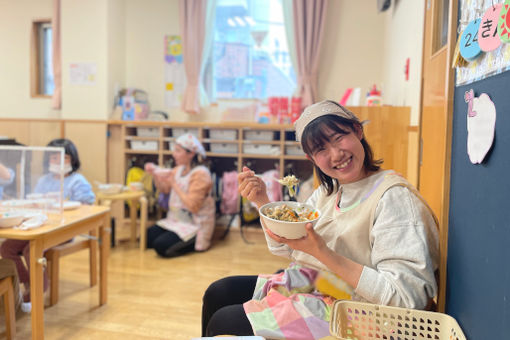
(309, 17)
(56, 102)
(193, 20)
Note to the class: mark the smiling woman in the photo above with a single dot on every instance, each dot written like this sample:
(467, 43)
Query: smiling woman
(374, 231)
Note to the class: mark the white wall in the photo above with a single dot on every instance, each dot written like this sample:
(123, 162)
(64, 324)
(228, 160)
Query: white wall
(352, 50)
(15, 30)
(116, 46)
(145, 64)
(84, 40)
(124, 38)
(403, 39)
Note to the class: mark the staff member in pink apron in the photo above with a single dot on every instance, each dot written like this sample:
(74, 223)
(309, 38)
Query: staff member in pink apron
(190, 221)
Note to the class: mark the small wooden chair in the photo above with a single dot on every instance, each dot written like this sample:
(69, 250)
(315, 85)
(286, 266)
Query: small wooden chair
(7, 292)
(54, 254)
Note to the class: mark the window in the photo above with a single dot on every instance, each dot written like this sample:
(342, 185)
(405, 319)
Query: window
(442, 8)
(250, 57)
(42, 67)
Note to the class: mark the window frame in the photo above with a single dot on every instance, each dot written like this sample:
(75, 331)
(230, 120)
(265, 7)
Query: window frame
(36, 58)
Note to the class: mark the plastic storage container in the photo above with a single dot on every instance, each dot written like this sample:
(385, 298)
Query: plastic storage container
(294, 150)
(223, 134)
(145, 145)
(262, 149)
(147, 132)
(364, 321)
(224, 148)
(259, 135)
(176, 132)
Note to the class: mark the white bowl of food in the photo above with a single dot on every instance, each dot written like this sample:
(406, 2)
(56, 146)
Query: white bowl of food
(110, 188)
(136, 186)
(11, 219)
(288, 218)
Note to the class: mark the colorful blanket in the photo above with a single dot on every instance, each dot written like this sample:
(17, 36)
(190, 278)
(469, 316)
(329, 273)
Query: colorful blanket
(286, 306)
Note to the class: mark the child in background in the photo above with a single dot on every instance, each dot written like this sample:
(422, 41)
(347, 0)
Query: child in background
(6, 178)
(190, 221)
(375, 232)
(76, 188)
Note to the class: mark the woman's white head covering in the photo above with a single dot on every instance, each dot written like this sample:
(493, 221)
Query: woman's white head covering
(191, 143)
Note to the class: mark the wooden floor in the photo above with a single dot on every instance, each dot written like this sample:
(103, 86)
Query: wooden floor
(148, 297)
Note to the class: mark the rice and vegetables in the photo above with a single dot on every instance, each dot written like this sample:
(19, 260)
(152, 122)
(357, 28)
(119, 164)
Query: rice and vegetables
(286, 213)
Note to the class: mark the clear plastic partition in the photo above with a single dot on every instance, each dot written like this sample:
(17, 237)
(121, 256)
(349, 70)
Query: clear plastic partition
(31, 186)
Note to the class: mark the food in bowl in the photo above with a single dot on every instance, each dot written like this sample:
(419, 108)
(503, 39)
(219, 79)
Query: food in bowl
(285, 213)
(287, 218)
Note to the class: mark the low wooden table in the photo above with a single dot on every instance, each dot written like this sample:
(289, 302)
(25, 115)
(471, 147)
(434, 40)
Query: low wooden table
(58, 229)
(134, 197)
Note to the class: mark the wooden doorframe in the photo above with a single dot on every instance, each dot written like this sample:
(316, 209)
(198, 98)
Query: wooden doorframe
(449, 95)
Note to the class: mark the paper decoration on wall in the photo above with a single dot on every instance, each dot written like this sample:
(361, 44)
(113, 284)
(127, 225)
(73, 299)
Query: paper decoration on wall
(82, 73)
(488, 63)
(469, 47)
(175, 77)
(488, 37)
(481, 121)
(504, 22)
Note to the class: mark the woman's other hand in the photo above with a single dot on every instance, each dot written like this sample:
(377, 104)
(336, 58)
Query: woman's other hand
(252, 187)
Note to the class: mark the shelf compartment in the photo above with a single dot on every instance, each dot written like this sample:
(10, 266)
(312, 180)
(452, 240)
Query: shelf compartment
(262, 149)
(144, 145)
(223, 134)
(179, 131)
(261, 135)
(221, 148)
(294, 150)
(147, 132)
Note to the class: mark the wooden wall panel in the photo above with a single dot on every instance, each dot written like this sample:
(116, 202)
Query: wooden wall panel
(413, 155)
(42, 132)
(31, 132)
(387, 132)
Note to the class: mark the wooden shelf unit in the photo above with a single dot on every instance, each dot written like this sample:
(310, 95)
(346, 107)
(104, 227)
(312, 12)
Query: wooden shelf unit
(229, 146)
(279, 143)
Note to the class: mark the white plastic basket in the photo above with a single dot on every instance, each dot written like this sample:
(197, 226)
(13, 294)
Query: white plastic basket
(224, 148)
(259, 135)
(176, 132)
(225, 134)
(261, 149)
(364, 321)
(147, 131)
(144, 145)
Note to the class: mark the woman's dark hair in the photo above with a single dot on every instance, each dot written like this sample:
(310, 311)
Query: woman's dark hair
(314, 137)
(196, 159)
(69, 149)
